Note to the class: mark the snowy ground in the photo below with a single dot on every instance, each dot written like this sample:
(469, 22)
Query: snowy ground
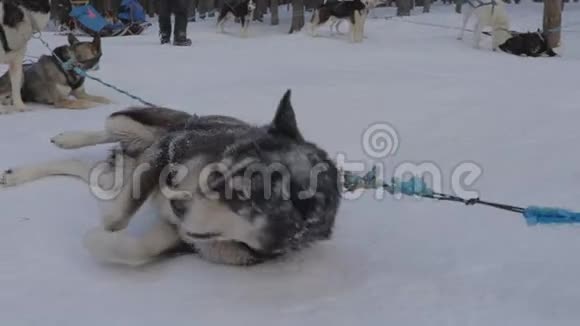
(392, 262)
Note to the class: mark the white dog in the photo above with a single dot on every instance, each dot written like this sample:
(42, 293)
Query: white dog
(19, 20)
(490, 13)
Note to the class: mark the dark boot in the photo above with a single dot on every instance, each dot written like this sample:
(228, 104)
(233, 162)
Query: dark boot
(181, 40)
(164, 38)
(164, 21)
(180, 30)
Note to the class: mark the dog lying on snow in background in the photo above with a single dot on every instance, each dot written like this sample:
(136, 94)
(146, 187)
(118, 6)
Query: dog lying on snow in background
(355, 11)
(242, 10)
(233, 192)
(490, 13)
(19, 20)
(47, 82)
(531, 44)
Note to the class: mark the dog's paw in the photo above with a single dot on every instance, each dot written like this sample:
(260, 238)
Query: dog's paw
(11, 178)
(101, 100)
(4, 178)
(6, 101)
(13, 109)
(112, 247)
(74, 104)
(83, 105)
(68, 140)
(19, 106)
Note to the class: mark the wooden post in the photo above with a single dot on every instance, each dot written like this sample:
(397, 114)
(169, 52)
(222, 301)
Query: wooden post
(260, 9)
(552, 21)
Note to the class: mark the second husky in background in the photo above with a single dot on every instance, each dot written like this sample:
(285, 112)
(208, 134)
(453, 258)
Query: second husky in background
(47, 82)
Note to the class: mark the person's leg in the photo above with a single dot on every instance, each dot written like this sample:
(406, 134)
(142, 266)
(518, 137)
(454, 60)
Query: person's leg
(191, 10)
(180, 29)
(202, 8)
(165, 20)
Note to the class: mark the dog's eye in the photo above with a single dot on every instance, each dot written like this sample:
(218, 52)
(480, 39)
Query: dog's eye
(179, 207)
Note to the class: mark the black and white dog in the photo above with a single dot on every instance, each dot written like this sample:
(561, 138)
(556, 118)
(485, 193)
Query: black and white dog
(531, 44)
(234, 192)
(20, 20)
(355, 11)
(242, 10)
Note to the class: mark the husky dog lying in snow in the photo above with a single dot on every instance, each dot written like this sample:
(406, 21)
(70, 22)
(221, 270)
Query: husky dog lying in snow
(243, 10)
(532, 44)
(19, 20)
(235, 193)
(46, 82)
(490, 13)
(355, 11)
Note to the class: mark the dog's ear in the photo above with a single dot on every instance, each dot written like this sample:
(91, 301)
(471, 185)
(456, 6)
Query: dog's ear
(284, 122)
(72, 39)
(97, 42)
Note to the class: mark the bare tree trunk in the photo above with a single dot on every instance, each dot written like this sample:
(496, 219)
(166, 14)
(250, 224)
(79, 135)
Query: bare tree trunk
(553, 21)
(274, 20)
(426, 6)
(458, 4)
(297, 16)
(261, 8)
(404, 7)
